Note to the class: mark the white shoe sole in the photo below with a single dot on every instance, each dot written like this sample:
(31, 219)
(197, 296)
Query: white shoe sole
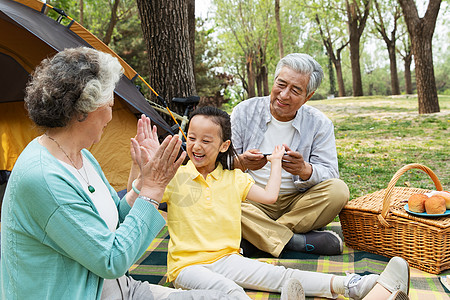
(398, 295)
(292, 290)
(391, 278)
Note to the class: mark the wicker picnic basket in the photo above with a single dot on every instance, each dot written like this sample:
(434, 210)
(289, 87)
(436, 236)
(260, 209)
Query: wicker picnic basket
(378, 223)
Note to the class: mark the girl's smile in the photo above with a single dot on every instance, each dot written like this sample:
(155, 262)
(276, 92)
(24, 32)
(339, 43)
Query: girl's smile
(205, 143)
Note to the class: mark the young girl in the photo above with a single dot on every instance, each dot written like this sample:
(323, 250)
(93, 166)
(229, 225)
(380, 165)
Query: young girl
(204, 221)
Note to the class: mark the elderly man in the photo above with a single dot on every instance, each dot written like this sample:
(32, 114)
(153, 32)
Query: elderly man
(311, 194)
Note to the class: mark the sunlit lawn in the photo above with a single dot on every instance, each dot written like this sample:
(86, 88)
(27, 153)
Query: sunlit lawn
(376, 136)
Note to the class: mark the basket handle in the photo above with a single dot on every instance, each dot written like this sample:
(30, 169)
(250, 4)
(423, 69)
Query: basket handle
(391, 185)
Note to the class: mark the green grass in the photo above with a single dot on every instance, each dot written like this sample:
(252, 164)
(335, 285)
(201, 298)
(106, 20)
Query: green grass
(376, 136)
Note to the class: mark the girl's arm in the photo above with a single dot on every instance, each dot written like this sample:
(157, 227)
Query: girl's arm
(269, 194)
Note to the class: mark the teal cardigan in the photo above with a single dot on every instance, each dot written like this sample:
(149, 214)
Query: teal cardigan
(54, 243)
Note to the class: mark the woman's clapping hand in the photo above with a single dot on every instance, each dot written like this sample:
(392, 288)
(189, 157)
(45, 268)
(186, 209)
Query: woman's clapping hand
(158, 169)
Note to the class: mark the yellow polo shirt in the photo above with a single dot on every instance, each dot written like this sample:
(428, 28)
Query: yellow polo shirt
(204, 216)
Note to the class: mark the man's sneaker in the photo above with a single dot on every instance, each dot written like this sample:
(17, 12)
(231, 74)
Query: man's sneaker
(292, 290)
(325, 242)
(357, 287)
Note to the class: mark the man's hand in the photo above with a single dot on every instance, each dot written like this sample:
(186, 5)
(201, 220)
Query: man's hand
(251, 159)
(293, 163)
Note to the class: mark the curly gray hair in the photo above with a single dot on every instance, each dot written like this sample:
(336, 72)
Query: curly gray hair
(70, 85)
(304, 64)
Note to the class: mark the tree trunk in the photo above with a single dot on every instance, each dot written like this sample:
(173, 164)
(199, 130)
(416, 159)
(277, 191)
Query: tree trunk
(250, 77)
(407, 59)
(356, 22)
(426, 83)
(81, 12)
(339, 77)
(370, 88)
(265, 81)
(408, 81)
(336, 59)
(332, 90)
(191, 22)
(112, 23)
(259, 84)
(280, 36)
(390, 42)
(395, 86)
(263, 74)
(165, 28)
(356, 67)
(262, 82)
(421, 32)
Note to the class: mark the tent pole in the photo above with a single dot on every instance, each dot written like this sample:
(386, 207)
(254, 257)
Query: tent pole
(165, 104)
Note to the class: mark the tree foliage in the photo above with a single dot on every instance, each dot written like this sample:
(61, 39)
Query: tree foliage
(242, 48)
(126, 37)
(404, 50)
(246, 26)
(211, 80)
(329, 26)
(386, 16)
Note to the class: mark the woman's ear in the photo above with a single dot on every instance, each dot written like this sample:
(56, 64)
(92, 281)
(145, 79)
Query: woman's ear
(224, 146)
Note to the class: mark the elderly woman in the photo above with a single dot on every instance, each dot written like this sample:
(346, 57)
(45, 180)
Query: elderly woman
(64, 229)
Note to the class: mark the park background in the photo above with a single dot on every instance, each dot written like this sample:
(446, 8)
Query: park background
(226, 52)
(233, 46)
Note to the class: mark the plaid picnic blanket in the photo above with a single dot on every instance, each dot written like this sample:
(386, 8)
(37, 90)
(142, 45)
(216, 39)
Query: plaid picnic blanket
(152, 267)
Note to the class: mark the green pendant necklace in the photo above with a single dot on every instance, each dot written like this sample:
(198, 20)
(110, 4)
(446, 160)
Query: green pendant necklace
(90, 187)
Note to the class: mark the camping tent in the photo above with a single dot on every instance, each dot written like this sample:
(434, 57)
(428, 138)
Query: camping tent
(27, 36)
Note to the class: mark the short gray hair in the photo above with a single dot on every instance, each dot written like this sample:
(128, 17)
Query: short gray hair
(304, 64)
(71, 84)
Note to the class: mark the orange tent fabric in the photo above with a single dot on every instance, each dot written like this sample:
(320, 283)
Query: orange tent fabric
(27, 36)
